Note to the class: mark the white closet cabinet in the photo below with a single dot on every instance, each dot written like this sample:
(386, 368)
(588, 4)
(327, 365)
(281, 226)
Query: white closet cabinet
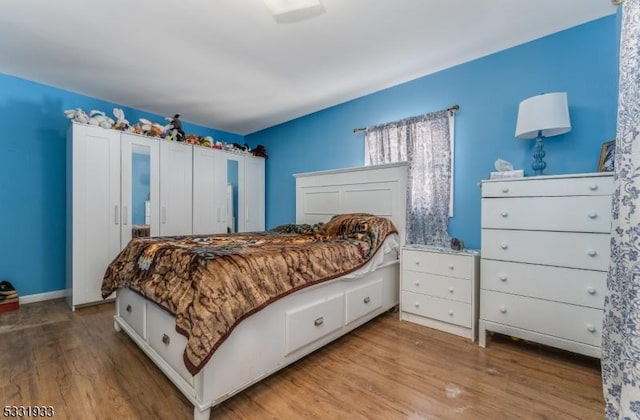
(135, 149)
(253, 194)
(93, 210)
(176, 193)
(209, 191)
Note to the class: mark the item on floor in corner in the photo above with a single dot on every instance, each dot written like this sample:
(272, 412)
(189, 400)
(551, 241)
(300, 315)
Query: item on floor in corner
(260, 151)
(542, 116)
(9, 300)
(457, 244)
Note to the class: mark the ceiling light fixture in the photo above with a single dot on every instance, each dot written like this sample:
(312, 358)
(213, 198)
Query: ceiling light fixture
(285, 11)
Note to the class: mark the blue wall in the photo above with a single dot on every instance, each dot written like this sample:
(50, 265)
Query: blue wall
(32, 178)
(581, 61)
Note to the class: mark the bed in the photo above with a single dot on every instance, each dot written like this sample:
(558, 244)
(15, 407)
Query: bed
(254, 343)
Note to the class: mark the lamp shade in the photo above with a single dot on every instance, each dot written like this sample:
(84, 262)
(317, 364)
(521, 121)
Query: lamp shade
(547, 113)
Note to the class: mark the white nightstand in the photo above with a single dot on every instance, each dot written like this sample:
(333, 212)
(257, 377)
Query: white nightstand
(439, 289)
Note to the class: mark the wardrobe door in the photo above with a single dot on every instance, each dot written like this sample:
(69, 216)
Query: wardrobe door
(253, 194)
(93, 209)
(176, 174)
(140, 190)
(209, 191)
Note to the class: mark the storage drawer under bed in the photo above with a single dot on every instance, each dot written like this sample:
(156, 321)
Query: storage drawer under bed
(132, 309)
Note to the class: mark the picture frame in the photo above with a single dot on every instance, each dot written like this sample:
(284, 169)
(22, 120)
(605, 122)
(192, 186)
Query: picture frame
(607, 157)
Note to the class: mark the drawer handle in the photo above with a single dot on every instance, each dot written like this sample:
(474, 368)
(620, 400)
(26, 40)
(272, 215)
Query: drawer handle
(128, 308)
(503, 310)
(504, 214)
(591, 328)
(592, 253)
(367, 299)
(505, 190)
(417, 283)
(166, 339)
(503, 277)
(450, 312)
(451, 289)
(318, 321)
(593, 187)
(451, 267)
(592, 215)
(417, 304)
(591, 290)
(417, 262)
(504, 245)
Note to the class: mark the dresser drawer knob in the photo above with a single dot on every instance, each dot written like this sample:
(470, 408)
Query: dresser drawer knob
(592, 253)
(166, 339)
(504, 245)
(367, 300)
(451, 266)
(417, 304)
(128, 308)
(417, 262)
(591, 328)
(593, 187)
(318, 321)
(504, 214)
(591, 290)
(503, 310)
(451, 289)
(417, 283)
(450, 312)
(592, 215)
(502, 277)
(505, 190)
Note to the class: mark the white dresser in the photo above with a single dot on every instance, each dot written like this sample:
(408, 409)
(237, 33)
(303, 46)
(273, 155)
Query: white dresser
(545, 256)
(439, 289)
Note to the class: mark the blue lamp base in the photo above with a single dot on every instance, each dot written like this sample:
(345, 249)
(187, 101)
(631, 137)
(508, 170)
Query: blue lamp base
(538, 164)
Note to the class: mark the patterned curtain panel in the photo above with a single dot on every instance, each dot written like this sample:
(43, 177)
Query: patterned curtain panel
(425, 143)
(621, 329)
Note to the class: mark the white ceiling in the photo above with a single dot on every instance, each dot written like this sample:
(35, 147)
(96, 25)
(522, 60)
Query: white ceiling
(228, 64)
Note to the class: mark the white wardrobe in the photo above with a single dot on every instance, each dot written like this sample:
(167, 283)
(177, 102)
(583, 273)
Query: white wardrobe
(117, 182)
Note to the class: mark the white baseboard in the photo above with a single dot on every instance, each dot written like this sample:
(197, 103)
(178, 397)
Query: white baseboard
(39, 297)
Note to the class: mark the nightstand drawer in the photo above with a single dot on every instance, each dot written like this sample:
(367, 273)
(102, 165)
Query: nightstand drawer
(569, 285)
(561, 320)
(543, 186)
(563, 249)
(568, 214)
(444, 310)
(439, 286)
(443, 264)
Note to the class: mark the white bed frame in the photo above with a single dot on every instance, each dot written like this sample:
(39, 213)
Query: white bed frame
(293, 326)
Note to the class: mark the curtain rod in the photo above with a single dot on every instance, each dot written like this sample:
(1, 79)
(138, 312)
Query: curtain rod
(451, 109)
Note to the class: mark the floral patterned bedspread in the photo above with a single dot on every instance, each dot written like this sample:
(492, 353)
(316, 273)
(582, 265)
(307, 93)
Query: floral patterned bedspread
(211, 283)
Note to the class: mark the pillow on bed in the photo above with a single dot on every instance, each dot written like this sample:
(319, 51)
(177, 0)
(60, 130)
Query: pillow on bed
(359, 226)
(299, 229)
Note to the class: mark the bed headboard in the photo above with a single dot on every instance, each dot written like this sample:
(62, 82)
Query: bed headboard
(379, 190)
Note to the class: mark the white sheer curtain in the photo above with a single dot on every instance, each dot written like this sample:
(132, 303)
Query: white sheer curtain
(426, 143)
(621, 327)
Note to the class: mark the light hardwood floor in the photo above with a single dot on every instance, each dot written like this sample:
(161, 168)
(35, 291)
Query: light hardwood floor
(386, 369)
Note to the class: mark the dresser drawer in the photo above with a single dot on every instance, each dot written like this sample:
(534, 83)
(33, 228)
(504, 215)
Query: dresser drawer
(561, 320)
(166, 341)
(543, 186)
(444, 264)
(445, 310)
(572, 214)
(312, 322)
(363, 300)
(439, 286)
(132, 309)
(569, 285)
(563, 249)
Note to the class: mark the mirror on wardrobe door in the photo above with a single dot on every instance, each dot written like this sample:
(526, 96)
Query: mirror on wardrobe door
(140, 191)
(232, 195)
